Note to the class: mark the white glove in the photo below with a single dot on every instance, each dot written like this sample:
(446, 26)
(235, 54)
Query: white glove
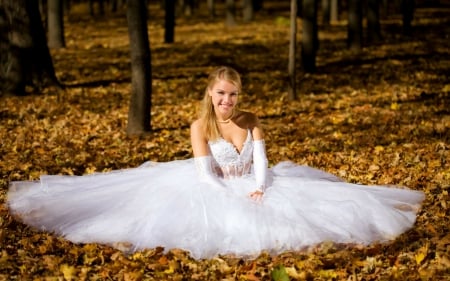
(205, 172)
(260, 164)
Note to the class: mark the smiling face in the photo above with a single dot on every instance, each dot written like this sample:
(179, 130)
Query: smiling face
(224, 97)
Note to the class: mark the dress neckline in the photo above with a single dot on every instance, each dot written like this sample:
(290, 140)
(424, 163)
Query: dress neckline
(239, 152)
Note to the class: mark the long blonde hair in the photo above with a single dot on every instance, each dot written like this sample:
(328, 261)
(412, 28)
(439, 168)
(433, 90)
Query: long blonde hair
(207, 114)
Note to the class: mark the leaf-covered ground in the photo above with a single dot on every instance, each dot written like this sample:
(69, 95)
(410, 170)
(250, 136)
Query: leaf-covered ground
(378, 117)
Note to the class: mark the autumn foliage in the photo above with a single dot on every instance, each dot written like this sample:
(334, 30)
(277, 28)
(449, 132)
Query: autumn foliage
(381, 116)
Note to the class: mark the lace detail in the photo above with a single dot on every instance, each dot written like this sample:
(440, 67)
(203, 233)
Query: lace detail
(227, 161)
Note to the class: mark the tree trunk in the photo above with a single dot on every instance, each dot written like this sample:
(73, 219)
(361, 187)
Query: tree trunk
(141, 82)
(91, 7)
(24, 54)
(113, 6)
(355, 25)
(169, 21)
(188, 7)
(407, 7)
(247, 10)
(326, 11)
(292, 46)
(230, 13)
(373, 21)
(334, 11)
(299, 8)
(66, 6)
(257, 5)
(43, 12)
(101, 7)
(211, 8)
(309, 35)
(55, 24)
(384, 8)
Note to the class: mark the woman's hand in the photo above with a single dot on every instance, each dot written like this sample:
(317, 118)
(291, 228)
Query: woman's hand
(257, 195)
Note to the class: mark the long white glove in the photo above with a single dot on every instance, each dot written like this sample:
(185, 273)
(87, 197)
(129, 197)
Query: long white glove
(260, 164)
(205, 173)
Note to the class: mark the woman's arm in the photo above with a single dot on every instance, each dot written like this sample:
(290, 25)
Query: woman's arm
(202, 157)
(198, 140)
(260, 162)
(257, 131)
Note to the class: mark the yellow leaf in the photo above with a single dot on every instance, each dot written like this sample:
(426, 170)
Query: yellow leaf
(337, 135)
(446, 88)
(4, 257)
(419, 257)
(329, 274)
(23, 268)
(282, 21)
(394, 106)
(379, 148)
(422, 254)
(67, 271)
(89, 259)
(137, 256)
(90, 170)
(170, 270)
(292, 272)
(337, 120)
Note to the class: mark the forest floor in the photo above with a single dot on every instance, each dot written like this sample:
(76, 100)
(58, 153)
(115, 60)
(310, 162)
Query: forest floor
(381, 116)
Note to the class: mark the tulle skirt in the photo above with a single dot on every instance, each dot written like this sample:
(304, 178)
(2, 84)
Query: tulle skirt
(164, 204)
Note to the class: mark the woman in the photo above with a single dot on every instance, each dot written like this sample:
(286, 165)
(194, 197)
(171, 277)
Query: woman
(223, 201)
(221, 121)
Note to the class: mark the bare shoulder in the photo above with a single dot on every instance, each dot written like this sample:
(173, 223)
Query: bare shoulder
(198, 139)
(196, 125)
(197, 129)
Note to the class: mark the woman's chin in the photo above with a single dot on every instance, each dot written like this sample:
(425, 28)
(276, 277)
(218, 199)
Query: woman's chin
(225, 110)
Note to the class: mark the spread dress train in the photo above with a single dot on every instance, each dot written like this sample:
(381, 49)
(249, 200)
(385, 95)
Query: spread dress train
(167, 204)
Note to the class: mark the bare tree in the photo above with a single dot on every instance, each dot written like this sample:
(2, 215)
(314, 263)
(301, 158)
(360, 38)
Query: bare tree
(334, 11)
(373, 21)
(354, 35)
(230, 13)
(24, 55)
(188, 6)
(169, 21)
(211, 8)
(66, 5)
(141, 79)
(55, 24)
(292, 50)
(248, 10)
(257, 5)
(326, 11)
(309, 35)
(408, 7)
(101, 7)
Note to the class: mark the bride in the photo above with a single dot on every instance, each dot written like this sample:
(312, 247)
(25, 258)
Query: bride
(225, 200)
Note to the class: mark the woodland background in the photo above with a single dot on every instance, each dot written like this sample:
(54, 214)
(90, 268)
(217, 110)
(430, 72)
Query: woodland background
(379, 116)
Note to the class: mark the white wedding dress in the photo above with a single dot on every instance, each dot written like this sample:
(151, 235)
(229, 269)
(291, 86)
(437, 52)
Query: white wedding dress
(166, 204)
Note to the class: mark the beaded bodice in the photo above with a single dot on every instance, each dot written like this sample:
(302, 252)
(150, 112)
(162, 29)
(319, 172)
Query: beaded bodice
(228, 162)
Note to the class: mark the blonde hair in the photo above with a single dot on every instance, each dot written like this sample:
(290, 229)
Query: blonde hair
(207, 114)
